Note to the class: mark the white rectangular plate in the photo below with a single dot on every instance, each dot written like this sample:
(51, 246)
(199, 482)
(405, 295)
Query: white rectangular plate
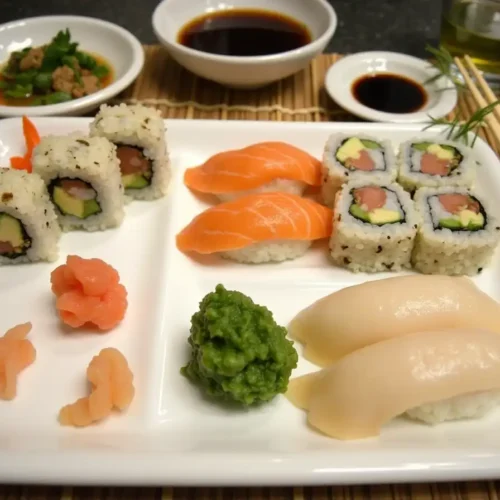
(171, 435)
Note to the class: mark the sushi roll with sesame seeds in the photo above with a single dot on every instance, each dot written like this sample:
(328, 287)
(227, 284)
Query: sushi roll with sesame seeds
(374, 227)
(139, 135)
(351, 158)
(458, 234)
(83, 180)
(29, 231)
(431, 163)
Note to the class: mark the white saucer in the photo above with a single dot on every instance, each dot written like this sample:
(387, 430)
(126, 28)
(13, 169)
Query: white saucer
(442, 95)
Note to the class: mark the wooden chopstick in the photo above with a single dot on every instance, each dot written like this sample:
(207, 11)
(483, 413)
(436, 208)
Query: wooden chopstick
(490, 96)
(481, 101)
(469, 104)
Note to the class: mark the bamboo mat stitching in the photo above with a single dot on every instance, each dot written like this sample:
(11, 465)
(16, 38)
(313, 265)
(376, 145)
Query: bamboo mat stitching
(227, 107)
(177, 93)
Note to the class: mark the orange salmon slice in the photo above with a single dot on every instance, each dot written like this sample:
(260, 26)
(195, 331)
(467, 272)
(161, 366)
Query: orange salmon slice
(255, 218)
(253, 166)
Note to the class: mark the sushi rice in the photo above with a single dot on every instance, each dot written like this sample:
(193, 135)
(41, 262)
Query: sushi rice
(335, 174)
(409, 164)
(278, 185)
(269, 251)
(24, 197)
(362, 246)
(92, 160)
(441, 250)
(467, 406)
(142, 128)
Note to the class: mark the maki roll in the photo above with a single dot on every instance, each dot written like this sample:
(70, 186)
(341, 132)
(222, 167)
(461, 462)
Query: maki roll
(139, 135)
(350, 158)
(424, 163)
(458, 235)
(29, 231)
(83, 180)
(374, 227)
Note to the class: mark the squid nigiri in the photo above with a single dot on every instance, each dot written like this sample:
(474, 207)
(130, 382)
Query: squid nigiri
(258, 228)
(432, 377)
(364, 314)
(262, 167)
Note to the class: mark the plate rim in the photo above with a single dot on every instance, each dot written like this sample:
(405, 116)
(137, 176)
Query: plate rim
(400, 464)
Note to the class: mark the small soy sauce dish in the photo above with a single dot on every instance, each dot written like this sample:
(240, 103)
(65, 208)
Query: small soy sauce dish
(389, 87)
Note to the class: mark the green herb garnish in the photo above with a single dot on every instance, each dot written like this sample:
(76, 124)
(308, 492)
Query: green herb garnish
(100, 71)
(445, 65)
(458, 129)
(86, 61)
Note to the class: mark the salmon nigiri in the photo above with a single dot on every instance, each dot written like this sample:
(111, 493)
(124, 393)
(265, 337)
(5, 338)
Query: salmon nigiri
(262, 167)
(258, 228)
(432, 377)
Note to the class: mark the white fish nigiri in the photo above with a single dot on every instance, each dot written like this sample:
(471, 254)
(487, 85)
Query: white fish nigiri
(361, 315)
(431, 376)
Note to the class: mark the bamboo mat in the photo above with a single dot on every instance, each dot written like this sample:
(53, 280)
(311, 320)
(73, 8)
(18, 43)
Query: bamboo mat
(179, 94)
(301, 97)
(442, 491)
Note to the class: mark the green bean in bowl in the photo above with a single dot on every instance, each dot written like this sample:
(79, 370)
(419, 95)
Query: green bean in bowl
(52, 73)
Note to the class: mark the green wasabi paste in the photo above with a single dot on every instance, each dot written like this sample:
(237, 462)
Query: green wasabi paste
(238, 352)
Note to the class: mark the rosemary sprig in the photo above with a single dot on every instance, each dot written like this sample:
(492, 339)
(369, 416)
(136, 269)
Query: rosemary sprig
(452, 125)
(459, 130)
(444, 64)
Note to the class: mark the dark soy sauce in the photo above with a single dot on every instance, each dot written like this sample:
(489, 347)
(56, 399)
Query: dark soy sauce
(389, 93)
(244, 32)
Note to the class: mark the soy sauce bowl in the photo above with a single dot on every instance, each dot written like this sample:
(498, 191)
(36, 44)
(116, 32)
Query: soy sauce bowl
(245, 72)
(441, 94)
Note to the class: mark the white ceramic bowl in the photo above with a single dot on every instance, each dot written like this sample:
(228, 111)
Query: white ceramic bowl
(119, 47)
(442, 95)
(244, 72)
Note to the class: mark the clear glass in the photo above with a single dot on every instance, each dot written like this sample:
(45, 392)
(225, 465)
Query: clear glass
(473, 27)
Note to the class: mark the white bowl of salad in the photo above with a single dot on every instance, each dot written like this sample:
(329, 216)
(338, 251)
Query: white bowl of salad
(64, 65)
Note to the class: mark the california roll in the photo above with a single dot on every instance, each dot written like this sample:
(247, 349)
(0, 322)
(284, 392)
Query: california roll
(428, 163)
(83, 179)
(29, 231)
(374, 227)
(458, 235)
(350, 158)
(138, 133)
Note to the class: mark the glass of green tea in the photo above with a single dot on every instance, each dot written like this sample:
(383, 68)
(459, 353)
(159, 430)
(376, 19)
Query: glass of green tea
(473, 27)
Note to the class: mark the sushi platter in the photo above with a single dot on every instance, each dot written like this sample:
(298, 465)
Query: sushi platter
(165, 274)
